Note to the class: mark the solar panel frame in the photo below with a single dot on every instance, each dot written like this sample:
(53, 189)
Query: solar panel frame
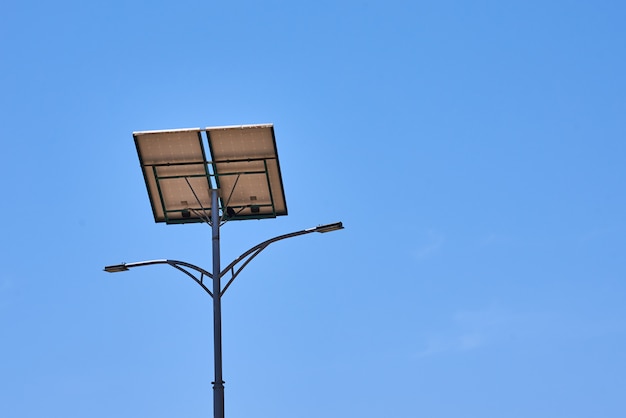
(244, 168)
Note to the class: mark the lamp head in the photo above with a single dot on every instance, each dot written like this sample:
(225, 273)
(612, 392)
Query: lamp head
(116, 268)
(329, 227)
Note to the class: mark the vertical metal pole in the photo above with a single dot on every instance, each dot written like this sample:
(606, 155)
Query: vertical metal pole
(218, 384)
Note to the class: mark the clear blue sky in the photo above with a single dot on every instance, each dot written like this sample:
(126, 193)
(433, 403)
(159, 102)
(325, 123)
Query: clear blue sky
(473, 149)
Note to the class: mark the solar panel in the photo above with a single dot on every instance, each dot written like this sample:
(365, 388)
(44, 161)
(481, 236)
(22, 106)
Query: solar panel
(247, 171)
(244, 167)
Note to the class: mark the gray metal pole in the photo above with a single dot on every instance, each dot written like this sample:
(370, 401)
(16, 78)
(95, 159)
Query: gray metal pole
(218, 384)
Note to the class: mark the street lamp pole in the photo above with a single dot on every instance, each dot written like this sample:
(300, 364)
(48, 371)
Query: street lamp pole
(216, 291)
(218, 383)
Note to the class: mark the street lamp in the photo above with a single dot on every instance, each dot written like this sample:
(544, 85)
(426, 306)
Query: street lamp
(241, 181)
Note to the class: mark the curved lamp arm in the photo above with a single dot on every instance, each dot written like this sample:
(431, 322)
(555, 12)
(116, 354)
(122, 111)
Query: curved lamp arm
(179, 265)
(254, 251)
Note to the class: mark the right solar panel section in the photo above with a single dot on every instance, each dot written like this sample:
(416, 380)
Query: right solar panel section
(247, 171)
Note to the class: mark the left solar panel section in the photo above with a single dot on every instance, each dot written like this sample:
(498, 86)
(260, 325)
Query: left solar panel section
(176, 173)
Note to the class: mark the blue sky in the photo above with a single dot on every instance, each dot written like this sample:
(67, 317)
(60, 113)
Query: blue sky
(474, 151)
